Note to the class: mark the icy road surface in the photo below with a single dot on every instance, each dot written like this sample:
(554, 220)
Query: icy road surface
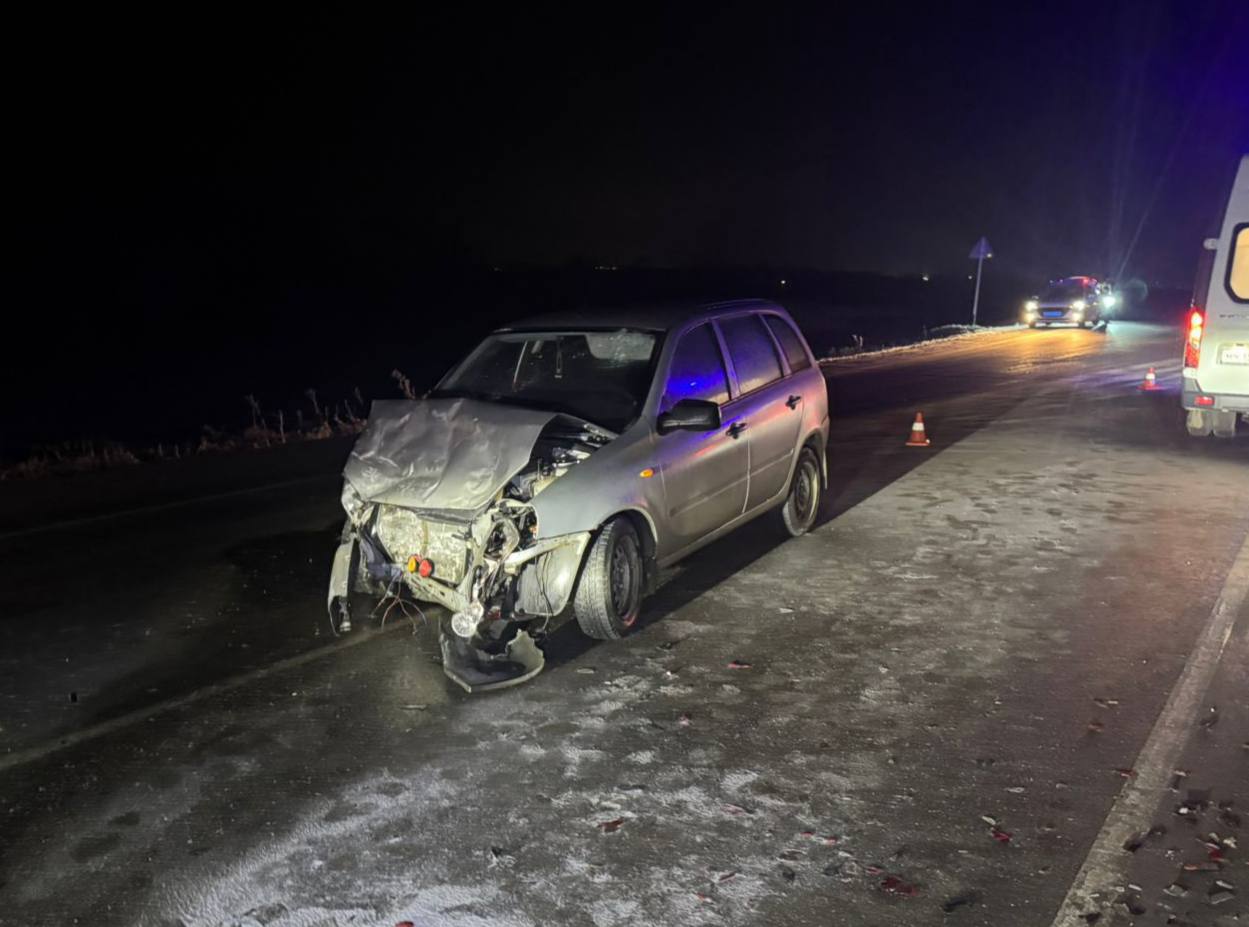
(922, 713)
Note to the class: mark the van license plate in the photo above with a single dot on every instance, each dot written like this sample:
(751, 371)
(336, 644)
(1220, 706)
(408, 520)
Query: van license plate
(1234, 354)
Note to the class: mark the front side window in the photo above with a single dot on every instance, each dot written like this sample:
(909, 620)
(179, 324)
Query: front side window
(790, 343)
(600, 376)
(697, 370)
(1238, 265)
(753, 353)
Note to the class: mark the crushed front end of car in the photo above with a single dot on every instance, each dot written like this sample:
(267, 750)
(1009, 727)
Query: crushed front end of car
(438, 497)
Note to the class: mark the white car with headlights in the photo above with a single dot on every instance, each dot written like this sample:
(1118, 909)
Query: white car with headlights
(1079, 301)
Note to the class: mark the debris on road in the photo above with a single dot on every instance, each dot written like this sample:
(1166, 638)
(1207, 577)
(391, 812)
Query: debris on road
(788, 874)
(962, 900)
(1106, 702)
(1217, 898)
(1001, 836)
(501, 858)
(1096, 727)
(610, 827)
(1211, 719)
(893, 885)
(738, 665)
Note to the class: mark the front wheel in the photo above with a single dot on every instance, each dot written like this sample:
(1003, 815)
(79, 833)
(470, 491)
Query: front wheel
(608, 599)
(806, 488)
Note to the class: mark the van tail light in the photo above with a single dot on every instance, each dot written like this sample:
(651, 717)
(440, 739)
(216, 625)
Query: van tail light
(1192, 345)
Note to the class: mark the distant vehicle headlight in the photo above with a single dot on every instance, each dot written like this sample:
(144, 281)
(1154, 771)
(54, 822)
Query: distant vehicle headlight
(1079, 305)
(1031, 306)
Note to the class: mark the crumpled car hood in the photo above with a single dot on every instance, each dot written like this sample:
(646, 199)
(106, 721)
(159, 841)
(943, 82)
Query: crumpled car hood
(442, 453)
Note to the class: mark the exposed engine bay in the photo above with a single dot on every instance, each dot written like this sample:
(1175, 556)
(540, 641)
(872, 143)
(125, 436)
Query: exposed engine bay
(476, 550)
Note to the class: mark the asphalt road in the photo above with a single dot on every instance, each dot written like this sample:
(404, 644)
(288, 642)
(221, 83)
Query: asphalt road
(980, 672)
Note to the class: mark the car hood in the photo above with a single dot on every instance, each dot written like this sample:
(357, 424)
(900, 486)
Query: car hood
(449, 454)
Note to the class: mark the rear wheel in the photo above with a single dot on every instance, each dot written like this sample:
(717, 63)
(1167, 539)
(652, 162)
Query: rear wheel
(608, 599)
(802, 505)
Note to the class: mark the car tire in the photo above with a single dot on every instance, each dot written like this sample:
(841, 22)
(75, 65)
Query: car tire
(609, 592)
(1198, 423)
(1224, 424)
(801, 507)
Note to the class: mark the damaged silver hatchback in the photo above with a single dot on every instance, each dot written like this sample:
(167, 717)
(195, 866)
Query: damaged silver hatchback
(561, 464)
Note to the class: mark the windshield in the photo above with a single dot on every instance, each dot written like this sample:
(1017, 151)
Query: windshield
(600, 376)
(1064, 290)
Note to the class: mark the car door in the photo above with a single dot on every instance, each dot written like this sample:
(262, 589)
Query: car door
(704, 473)
(768, 407)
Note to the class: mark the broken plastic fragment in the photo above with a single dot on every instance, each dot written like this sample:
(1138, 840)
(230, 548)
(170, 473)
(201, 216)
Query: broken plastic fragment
(736, 809)
(610, 827)
(1001, 836)
(739, 664)
(1106, 702)
(1095, 727)
(893, 885)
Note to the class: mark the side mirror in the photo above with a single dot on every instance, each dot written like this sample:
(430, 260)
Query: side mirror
(690, 415)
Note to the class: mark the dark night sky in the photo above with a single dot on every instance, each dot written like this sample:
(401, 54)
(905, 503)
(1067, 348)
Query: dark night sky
(174, 164)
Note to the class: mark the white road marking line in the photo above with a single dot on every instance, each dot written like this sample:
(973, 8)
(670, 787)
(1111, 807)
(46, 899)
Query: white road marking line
(162, 507)
(73, 738)
(1107, 862)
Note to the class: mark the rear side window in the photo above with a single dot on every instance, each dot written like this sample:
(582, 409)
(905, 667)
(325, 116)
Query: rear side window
(1238, 264)
(791, 344)
(753, 353)
(697, 370)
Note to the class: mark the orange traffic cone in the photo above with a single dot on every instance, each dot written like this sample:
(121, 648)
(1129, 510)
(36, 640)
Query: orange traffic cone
(1151, 380)
(918, 438)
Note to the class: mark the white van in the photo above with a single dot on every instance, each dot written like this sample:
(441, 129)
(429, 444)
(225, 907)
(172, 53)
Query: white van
(1216, 349)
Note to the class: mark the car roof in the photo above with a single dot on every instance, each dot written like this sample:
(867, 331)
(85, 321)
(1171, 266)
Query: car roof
(647, 316)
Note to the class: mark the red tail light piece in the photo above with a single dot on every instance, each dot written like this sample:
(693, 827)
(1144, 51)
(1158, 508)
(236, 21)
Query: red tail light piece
(1192, 346)
(1204, 400)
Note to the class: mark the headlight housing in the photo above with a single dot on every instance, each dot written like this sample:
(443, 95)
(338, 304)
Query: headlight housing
(1079, 305)
(353, 505)
(1031, 307)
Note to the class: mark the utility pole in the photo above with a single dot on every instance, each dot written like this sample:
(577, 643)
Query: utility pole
(980, 250)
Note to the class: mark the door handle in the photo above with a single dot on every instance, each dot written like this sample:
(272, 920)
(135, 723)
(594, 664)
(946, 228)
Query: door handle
(793, 401)
(736, 429)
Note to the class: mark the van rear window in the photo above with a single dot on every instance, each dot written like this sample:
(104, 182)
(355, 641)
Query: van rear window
(1238, 264)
